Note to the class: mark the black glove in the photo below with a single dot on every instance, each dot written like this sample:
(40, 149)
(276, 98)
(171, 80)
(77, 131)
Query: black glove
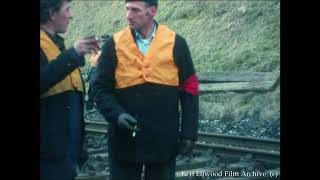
(126, 121)
(186, 146)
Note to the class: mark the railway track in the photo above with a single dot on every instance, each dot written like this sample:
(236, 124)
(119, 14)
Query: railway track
(209, 138)
(233, 148)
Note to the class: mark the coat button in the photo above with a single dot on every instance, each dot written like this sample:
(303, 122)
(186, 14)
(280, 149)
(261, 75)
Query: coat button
(68, 107)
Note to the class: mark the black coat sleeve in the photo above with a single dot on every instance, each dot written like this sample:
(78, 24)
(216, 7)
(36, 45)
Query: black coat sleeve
(104, 83)
(54, 71)
(189, 103)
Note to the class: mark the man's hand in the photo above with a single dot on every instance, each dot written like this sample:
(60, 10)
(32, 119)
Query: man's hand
(186, 146)
(128, 122)
(86, 45)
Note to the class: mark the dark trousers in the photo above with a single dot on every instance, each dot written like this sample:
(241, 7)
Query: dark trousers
(90, 95)
(61, 169)
(91, 76)
(65, 169)
(122, 170)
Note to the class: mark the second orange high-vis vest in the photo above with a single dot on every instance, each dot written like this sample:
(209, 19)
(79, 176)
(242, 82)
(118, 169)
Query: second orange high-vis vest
(94, 59)
(156, 66)
(70, 82)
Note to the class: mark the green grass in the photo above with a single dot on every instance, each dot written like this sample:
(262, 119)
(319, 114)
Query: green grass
(222, 36)
(235, 106)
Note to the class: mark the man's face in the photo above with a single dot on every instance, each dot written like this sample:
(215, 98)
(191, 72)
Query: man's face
(61, 18)
(138, 15)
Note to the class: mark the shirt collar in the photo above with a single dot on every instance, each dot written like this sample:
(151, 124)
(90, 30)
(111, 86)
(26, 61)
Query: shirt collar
(57, 39)
(138, 36)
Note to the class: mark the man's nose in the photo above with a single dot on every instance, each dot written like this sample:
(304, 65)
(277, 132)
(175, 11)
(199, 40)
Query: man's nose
(70, 15)
(129, 15)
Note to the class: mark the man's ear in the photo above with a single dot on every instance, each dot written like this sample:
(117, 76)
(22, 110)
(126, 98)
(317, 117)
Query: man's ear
(52, 15)
(153, 10)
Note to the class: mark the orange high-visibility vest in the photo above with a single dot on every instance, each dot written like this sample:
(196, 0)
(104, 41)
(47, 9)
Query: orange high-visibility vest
(156, 66)
(70, 82)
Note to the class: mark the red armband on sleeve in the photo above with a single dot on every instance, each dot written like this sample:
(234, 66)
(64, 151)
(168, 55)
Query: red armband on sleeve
(190, 85)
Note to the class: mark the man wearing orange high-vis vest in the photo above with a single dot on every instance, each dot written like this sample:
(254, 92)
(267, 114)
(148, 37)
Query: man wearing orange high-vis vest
(144, 73)
(90, 77)
(92, 73)
(61, 93)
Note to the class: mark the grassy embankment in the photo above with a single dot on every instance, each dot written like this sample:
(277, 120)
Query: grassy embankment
(222, 36)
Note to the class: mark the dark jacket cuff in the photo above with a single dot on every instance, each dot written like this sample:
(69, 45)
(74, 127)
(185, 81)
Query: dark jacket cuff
(80, 61)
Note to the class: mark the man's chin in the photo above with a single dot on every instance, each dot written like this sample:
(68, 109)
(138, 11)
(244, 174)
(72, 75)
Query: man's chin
(132, 27)
(61, 31)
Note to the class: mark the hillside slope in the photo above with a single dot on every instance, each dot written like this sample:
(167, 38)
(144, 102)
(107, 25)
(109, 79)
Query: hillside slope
(222, 36)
